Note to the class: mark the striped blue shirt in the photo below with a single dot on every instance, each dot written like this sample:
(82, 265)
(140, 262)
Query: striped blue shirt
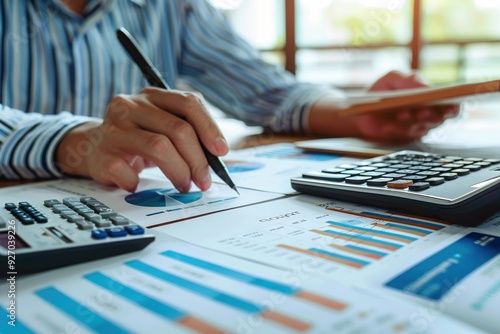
(59, 70)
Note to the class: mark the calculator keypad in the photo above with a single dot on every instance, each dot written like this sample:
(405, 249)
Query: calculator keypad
(413, 172)
(84, 213)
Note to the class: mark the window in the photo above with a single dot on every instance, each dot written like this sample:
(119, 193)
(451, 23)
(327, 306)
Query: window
(352, 42)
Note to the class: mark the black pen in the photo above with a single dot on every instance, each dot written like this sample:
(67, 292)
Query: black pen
(155, 79)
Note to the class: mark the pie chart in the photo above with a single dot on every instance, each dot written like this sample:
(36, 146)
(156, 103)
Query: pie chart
(161, 197)
(234, 166)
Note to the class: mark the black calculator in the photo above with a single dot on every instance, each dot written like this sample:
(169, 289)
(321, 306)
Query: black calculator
(459, 190)
(41, 235)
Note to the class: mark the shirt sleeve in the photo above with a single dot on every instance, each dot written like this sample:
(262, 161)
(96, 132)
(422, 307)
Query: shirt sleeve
(215, 61)
(28, 143)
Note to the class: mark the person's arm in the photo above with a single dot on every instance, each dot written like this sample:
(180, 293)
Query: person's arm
(231, 75)
(28, 142)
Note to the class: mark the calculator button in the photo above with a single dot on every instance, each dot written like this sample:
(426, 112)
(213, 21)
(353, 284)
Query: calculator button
(372, 174)
(452, 166)
(75, 219)
(415, 178)
(386, 170)
(116, 232)
(119, 220)
(380, 182)
(326, 176)
(352, 172)
(440, 169)
(435, 181)
(492, 161)
(104, 211)
(71, 201)
(134, 229)
(406, 171)
(26, 220)
(24, 204)
(333, 170)
(10, 206)
(464, 162)
(51, 202)
(473, 159)
(99, 234)
(461, 171)
(102, 223)
(59, 207)
(420, 167)
(41, 218)
(428, 173)
(357, 179)
(86, 199)
(449, 176)
(84, 225)
(419, 186)
(473, 168)
(394, 176)
(483, 164)
(68, 213)
(399, 184)
(90, 216)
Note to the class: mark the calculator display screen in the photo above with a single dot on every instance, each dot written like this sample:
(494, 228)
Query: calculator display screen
(11, 242)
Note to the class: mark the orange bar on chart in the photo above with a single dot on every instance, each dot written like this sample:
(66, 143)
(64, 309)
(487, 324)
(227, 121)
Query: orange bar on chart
(200, 326)
(286, 321)
(320, 300)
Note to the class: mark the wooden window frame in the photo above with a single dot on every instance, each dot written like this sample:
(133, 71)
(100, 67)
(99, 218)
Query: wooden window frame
(290, 48)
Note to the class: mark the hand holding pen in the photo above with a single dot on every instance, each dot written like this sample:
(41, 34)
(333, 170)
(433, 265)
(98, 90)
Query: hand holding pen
(155, 79)
(155, 127)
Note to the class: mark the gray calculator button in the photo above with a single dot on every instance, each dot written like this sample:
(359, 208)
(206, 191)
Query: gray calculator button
(59, 207)
(91, 215)
(86, 199)
(102, 223)
(105, 212)
(119, 220)
(51, 202)
(85, 210)
(68, 213)
(71, 201)
(84, 225)
(75, 218)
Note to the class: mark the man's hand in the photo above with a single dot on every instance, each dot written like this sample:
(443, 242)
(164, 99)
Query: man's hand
(402, 125)
(406, 124)
(153, 128)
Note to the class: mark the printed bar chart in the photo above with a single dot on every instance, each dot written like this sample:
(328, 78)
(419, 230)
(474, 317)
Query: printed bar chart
(161, 309)
(325, 255)
(253, 280)
(219, 297)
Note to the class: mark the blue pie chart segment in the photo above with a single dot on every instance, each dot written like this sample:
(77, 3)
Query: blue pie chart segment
(234, 166)
(161, 197)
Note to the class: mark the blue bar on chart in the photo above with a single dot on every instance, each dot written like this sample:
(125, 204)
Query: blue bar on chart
(404, 228)
(236, 275)
(364, 230)
(220, 297)
(153, 305)
(360, 239)
(79, 312)
(195, 287)
(257, 281)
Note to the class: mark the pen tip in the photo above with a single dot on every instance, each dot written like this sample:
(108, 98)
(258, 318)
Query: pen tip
(234, 188)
